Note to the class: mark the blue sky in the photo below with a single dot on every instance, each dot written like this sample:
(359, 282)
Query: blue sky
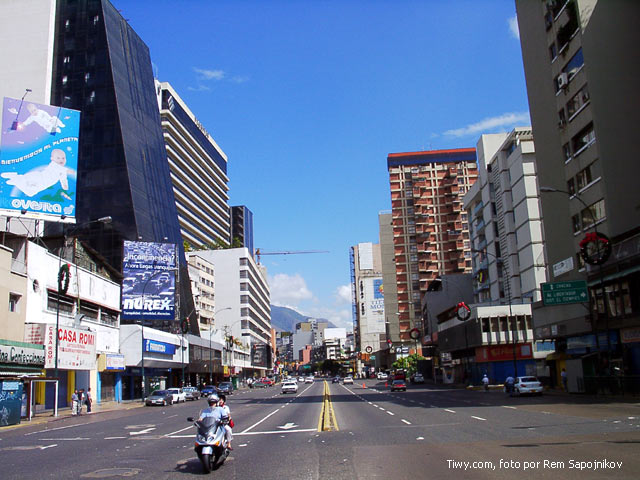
(307, 99)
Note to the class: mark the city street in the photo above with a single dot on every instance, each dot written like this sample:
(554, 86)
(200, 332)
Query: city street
(426, 432)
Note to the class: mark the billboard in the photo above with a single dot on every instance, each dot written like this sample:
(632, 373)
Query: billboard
(148, 286)
(76, 348)
(38, 160)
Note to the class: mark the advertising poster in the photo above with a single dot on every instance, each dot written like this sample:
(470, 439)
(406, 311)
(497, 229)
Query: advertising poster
(76, 348)
(38, 160)
(148, 287)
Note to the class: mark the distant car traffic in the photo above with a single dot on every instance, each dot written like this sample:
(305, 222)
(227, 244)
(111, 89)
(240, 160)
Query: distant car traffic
(347, 380)
(527, 385)
(382, 376)
(417, 378)
(159, 397)
(260, 384)
(178, 395)
(335, 380)
(225, 387)
(399, 385)
(191, 393)
(290, 387)
(308, 380)
(208, 390)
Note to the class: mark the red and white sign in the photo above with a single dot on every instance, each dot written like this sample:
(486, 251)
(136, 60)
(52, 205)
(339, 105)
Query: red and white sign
(76, 348)
(501, 353)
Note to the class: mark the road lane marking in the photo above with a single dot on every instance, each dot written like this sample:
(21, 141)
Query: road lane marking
(479, 418)
(258, 423)
(450, 411)
(52, 429)
(508, 406)
(142, 432)
(270, 432)
(114, 438)
(390, 413)
(406, 421)
(64, 439)
(177, 431)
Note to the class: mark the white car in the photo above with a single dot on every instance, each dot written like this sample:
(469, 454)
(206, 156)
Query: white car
(290, 387)
(417, 378)
(527, 385)
(178, 395)
(308, 380)
(382, 376)
(347, 380)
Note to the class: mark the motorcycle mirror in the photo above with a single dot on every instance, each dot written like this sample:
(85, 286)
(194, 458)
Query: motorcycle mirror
(189, 419)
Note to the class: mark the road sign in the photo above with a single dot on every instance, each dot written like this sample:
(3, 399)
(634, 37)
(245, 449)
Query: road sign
(563, 293)
(372, 357)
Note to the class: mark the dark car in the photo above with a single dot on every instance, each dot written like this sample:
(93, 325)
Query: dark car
(159, 397)
(399, 385)
(208, 390)
(335, 380)
(225, 387)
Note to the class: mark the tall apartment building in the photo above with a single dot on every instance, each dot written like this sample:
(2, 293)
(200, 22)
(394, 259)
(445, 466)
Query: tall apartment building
(198, 172)
(201, 274)
(242, 227)
(582, 84)
(430, 228)
(368, 302)
(505, 222)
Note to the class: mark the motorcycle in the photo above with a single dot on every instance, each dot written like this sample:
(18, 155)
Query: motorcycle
(211, 445)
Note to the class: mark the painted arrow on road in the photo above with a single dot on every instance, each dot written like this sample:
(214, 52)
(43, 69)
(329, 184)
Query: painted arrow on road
(142, 432)
(288, 426)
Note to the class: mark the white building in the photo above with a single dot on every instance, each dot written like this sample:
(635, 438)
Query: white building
(203, 289)
(198, 172)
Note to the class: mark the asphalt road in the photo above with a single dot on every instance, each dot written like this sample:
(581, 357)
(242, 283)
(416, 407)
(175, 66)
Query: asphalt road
(425, 432)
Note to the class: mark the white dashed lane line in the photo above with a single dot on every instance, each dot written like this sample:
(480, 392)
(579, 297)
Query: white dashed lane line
(479, 418)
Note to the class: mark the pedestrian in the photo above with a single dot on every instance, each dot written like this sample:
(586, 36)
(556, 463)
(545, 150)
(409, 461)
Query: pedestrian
(563, 374)
(508, 383)
(74, 403)
(80, 400)
(88, 400)
(485, 382)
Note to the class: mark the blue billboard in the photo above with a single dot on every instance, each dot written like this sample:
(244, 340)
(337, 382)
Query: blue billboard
(148, 286)
(38, 160)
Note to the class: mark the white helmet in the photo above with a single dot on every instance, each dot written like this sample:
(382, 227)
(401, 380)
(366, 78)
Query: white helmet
(213, 398)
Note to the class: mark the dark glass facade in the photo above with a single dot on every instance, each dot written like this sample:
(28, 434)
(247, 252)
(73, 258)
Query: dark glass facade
(103, 69)
(242, 226)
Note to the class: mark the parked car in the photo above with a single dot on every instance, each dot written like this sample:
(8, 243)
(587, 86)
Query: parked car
(208, 390)
(259, 384)
(382, 376)
(290, 387)
(308, 380)
(527, 385)
(399, 385)
(178, 395)
(347, 380)
(191, 393)
(225, 387)
(159, 397)
(417, 378)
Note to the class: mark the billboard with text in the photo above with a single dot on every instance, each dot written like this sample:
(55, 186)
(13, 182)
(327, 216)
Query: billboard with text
(38, 160)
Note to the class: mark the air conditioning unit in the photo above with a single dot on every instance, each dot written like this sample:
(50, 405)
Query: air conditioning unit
(563, 80)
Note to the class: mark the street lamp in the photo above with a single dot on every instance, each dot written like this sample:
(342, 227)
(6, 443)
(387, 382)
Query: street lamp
(65, 283)
(210, 349)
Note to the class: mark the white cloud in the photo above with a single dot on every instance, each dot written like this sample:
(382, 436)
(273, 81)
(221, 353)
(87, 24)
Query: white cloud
(204, 74)
(513, 26)
(342, 294)
(504, 121)
(288, 289)
(199, 88)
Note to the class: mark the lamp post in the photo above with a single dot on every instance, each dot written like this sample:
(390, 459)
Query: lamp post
(210, 349)
(602, 257)
(103, 220)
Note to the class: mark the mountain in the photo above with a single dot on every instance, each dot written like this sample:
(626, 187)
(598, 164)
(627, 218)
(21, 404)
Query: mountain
(284, 319)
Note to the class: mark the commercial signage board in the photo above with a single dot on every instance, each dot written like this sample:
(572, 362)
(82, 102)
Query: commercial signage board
(38, 160)
(76, 348)
(563, 293)
(148, 287)
(115, 362)
(153, 346)
(500, 353)
(21, 355)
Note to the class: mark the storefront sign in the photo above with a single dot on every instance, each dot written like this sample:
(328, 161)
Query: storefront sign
(630, 335)
(580, 344)
(76, 348)
(115, 362)
(21, 355)
(154, 346)
(34, 333)
(501, 353)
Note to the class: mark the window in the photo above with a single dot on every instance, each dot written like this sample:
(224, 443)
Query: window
(584, 178)
(562, 119)
(14, 302)
(566, 150)
(65, 304)
(571, 186)
(574, 65)
(578, 101)
(593, 214)
(575, 220)
(553, 52)
(583, 139)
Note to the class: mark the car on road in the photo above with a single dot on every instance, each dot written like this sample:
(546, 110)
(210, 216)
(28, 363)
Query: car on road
(382, 376)
(290, 387)
(178, 395)
(159, 397)
(260, 384)
(191, 393)
(308, 380)
(225, 387)
(417, 378)
(398, 385)
(208, 390)
(347, 380)
(527, 385)
(335, 380)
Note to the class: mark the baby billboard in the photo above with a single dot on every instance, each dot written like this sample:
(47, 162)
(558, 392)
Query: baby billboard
(38, 160)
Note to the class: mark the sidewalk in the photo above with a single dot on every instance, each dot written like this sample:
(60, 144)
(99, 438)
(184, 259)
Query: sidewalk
(46, 416)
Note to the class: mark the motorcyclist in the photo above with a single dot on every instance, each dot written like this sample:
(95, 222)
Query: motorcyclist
(213, 410)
